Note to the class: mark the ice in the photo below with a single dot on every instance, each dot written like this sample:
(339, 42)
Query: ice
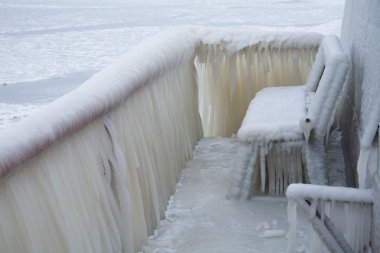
(342, 214)
(94, 98)
(272, 233)
(199, 222)
(116, 153)
(224, 102)
(274, 114)
(116, 159)
(60, 38)
(345, 208)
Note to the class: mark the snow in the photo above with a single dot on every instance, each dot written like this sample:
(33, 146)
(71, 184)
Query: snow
(200, 218)
(274, 114)
(121, 138)
(329, 193)
(61, 38)
(234, 67)
(346, 208)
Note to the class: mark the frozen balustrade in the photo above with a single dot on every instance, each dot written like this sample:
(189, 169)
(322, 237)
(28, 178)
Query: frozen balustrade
(341, 217)
(290, 126)
(93, 171)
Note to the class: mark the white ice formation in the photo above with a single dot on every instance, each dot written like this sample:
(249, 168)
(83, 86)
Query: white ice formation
(233, 66)
(93, 171)
(291, 125)
(118, 145)
(341, 217)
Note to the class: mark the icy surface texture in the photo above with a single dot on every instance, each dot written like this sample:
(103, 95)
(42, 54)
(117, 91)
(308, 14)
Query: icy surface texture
(360, 38)
(349, 210)
(64, 39)
(262, 168)
(232, 67)
(105, 185)
(101, 93)
(279, 114)
(274, 114)
(200, 219)
(331, 66)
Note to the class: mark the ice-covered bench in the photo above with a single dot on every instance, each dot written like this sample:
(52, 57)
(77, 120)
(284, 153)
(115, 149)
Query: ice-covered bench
(273, 153)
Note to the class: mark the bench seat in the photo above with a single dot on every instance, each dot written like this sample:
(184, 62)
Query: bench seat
(274, 114)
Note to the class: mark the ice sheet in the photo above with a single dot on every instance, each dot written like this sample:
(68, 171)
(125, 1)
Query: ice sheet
(200, 218)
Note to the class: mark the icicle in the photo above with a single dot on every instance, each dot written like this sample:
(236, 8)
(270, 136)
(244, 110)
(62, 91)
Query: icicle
(244, 167)
(232, 70)
(306, 125)
(266, 61)
(292, 220)
(362, 166)
(264, 149)
(248, 178)
(247, 70)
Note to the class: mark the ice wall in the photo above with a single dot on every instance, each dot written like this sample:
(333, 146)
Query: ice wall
(118, 144)
(340, 216)
(360, 38)
(232, 67)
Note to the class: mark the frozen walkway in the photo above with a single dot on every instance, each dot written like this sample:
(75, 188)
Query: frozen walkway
(200, 218)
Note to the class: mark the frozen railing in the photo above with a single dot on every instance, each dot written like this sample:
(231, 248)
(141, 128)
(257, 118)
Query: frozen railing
(93, 171)
(341, 217)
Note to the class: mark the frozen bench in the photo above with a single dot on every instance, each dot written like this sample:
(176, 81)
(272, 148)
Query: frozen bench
(280, 119)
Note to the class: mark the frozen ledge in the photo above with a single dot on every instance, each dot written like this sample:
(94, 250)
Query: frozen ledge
(344, 194)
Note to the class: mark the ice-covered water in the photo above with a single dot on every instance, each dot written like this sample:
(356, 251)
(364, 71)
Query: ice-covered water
(49, 47)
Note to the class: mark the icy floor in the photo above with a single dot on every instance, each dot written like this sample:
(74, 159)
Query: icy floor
(54, 45)
(199, 218)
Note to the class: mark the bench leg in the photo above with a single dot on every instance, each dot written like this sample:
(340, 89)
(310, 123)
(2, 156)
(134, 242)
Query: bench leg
(243, 171)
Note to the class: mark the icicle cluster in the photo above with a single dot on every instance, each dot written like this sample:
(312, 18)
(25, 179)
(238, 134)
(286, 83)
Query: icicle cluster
(105, 187)
(353, 220)
(96, 176)
(285, 164)
(341, 217)
(228, 80)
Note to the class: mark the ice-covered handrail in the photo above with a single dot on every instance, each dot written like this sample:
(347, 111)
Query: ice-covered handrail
(332, 212)
(308, 191)
(94, 98)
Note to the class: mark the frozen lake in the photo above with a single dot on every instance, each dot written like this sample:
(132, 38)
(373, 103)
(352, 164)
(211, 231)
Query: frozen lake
(47, 48)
